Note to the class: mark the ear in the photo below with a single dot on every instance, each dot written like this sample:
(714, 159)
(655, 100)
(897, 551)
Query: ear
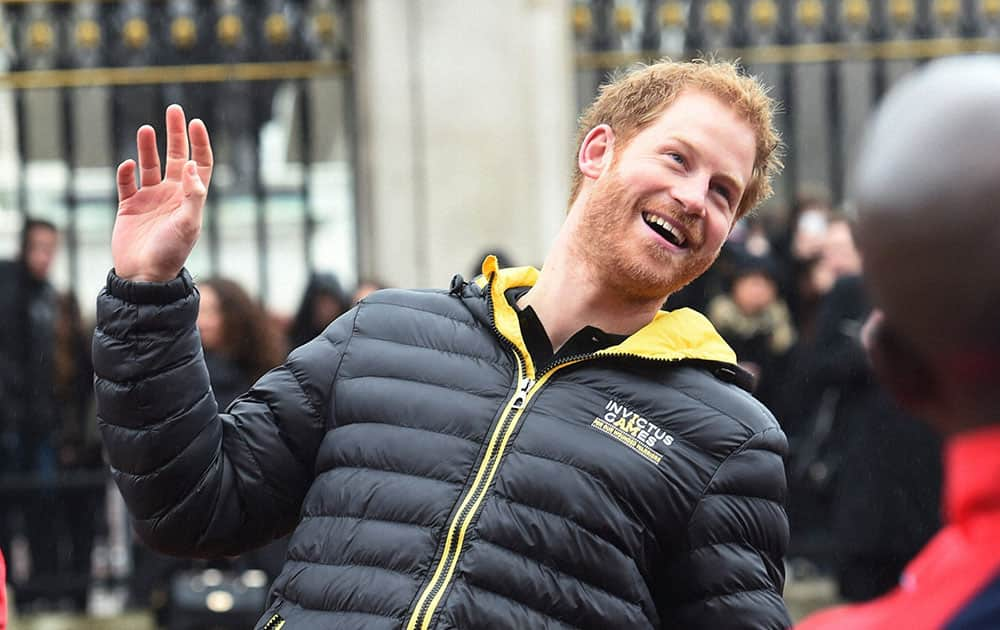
(905, 373)
(596, 151)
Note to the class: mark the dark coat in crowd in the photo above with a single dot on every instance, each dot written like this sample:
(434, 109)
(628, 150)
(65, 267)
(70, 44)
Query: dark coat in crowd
(430, 473)
(3, 593)
(42, 422)
(228, 379)
(29, 414)
(761, 340)
(322, 301)
(882, 467)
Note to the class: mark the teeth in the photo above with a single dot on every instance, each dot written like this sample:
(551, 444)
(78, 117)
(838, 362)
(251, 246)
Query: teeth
(652, 218)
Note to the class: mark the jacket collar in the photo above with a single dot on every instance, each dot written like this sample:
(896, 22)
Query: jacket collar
(678, 335)
(972, 468)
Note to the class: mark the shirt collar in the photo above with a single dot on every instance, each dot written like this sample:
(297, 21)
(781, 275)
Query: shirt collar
(670, 336)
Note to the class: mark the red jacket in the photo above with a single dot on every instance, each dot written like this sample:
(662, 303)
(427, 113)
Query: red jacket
(954, 583)
(3, 594)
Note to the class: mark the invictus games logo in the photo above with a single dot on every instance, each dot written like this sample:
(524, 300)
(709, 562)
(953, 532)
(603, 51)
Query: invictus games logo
(632, 430)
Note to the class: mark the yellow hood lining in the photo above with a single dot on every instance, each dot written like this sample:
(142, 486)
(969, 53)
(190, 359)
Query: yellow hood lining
(671, 336)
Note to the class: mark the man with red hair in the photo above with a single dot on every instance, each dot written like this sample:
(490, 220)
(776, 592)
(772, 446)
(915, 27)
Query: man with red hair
(533, 449)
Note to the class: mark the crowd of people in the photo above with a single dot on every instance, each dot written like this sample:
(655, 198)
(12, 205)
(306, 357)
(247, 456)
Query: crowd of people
(784, 290)
(864, 476)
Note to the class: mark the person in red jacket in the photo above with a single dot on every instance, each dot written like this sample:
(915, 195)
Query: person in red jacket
(3, 593)
(927, 191)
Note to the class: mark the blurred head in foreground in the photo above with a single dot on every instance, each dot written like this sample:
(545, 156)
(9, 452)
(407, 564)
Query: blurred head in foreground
(928, 200)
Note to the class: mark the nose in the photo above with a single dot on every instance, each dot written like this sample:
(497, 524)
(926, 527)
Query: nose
(691, 193)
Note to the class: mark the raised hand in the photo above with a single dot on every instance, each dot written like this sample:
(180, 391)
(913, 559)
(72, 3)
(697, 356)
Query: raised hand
(158, 224)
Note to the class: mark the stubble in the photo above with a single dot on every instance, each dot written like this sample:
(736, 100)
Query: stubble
(639, 270)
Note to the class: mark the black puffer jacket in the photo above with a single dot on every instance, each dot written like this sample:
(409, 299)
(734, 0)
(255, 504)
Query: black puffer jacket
(434, 479)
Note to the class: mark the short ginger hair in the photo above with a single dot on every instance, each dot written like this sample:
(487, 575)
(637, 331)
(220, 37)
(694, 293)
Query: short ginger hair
(636, 98)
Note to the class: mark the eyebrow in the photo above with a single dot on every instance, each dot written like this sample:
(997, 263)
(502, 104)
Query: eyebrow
(730, 180)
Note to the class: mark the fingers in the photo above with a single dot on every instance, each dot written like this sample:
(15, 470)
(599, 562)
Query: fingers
(126, 180)
(177, 152)
(177, 142)
(201, 150)
(149, 158)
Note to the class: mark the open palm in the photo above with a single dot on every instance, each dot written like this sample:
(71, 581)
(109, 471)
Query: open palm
(158, 225)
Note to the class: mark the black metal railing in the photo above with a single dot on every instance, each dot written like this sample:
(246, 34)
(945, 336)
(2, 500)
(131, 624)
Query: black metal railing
(78, 77)
(828, 61)
(83, 75)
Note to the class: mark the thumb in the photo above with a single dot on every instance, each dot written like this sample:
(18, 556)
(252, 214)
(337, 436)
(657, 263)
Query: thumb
(194, 199)
(194, 189)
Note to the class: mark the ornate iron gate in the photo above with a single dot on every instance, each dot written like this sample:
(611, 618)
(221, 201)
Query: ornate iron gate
(828, 61)
(78, 77)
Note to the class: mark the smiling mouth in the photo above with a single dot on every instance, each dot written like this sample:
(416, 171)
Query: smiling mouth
(667, 231)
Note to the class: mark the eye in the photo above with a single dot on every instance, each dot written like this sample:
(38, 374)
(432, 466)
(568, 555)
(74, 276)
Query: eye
(677, 157)
(722, 191)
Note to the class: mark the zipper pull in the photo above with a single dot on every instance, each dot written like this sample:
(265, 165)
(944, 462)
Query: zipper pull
(522, 393)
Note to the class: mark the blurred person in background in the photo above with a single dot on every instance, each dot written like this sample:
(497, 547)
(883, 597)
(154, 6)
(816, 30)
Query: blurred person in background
(818, 368)
(78, 510)
(851, 449)
(238, 337)
(699, 292)
(29, 415)
(884, 464)
(79, 445)
(3, 592)
(756, 241)
(746, 236)
(755, 321)
(798, 251)
(365, 288)
(838, 318)
(437, 452)
(839, 256)
(48, 391)
(240, 343)
(28, 313)
(875, 468)
(322, 302)
(926, 191)
(810, 220)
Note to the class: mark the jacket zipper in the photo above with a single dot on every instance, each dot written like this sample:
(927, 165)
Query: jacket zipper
(527, 387)
(420, 619)
(276, 622)
(433, 592)
(470, 503)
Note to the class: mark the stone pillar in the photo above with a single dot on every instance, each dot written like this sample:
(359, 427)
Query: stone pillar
(465, 125)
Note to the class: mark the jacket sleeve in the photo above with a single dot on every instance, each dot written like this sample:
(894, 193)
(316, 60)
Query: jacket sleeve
(199, 482)
(732, 573)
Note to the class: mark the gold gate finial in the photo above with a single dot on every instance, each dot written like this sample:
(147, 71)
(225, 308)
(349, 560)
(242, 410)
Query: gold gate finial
(810, 13)
(183, 32)
(764, 13)
(40, 36)
(229, 29)
(135, 33)
(718, 14)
